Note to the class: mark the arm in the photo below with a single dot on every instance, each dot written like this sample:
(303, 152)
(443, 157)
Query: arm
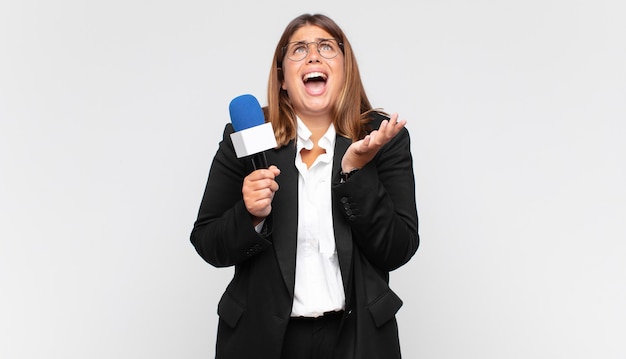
(223, 233)
(379, 203)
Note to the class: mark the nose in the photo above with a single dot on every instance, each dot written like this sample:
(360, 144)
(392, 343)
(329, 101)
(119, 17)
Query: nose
(313, 54)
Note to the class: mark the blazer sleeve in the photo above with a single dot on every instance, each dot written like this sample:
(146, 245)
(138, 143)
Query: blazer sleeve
(223, 234)
(379, 203)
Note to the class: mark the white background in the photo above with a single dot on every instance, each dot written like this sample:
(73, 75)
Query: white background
(110, 114)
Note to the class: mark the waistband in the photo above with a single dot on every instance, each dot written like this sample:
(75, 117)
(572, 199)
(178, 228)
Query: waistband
(334, 315)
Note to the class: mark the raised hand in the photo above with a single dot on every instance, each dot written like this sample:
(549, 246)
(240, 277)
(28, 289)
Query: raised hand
(361, 152)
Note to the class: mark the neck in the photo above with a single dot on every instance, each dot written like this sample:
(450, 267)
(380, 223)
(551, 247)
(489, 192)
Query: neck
(317, 126)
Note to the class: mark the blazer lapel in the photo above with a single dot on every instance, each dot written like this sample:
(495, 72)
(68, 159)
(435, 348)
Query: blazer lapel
(343, 234)
(285, 208)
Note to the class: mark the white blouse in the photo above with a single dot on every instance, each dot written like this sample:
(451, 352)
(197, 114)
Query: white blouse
(318, 286)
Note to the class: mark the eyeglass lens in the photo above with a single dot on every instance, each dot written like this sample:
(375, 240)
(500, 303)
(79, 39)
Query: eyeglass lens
(326, 48)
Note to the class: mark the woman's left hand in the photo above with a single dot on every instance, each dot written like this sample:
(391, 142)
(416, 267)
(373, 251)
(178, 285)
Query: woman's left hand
(361, 152)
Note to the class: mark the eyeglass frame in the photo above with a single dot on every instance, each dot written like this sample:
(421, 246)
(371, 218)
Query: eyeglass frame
(317, 47)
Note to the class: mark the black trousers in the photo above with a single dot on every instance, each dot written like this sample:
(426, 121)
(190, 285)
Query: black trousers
(311, 338)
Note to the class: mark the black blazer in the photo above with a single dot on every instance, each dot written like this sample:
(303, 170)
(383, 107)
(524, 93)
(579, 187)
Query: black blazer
(376, 231)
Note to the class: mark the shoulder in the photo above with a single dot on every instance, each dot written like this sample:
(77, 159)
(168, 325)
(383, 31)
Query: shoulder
(375, 118)
(228, 129)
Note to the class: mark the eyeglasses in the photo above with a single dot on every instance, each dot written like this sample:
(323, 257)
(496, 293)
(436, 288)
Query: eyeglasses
(298, 50)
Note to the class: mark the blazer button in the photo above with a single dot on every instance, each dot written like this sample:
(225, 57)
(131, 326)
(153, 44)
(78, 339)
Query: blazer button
(344, 199)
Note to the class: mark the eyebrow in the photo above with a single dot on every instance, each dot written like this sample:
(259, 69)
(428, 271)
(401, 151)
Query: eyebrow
(316, 40)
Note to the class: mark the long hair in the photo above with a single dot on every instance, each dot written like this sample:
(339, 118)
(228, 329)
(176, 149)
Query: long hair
(351, 110)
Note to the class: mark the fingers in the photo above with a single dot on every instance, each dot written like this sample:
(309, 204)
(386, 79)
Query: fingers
(361, 152)
(261, 180)
(258, 191)
(387, 130)
(262, 173)
(396, 124)
(274, 170)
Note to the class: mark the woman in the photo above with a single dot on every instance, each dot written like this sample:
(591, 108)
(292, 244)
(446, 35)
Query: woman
(313, 237)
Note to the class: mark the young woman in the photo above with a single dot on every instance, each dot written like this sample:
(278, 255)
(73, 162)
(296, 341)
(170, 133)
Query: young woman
(314, 236)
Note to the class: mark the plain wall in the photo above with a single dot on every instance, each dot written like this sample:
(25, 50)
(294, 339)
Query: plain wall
(111, 112)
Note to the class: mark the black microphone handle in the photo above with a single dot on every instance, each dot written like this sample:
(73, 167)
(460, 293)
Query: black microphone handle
(259, 161)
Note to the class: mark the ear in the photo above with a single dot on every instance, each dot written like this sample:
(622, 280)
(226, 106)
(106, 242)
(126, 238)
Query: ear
(282, 84)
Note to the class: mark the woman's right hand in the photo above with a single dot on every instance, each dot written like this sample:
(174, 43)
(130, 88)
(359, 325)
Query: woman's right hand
(258, 191)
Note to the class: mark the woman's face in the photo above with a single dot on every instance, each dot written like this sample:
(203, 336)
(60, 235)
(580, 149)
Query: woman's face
(313, 83)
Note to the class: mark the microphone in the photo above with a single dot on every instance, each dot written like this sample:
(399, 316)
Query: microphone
(252, 136)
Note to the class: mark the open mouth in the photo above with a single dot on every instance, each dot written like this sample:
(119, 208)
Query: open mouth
(315, 81)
